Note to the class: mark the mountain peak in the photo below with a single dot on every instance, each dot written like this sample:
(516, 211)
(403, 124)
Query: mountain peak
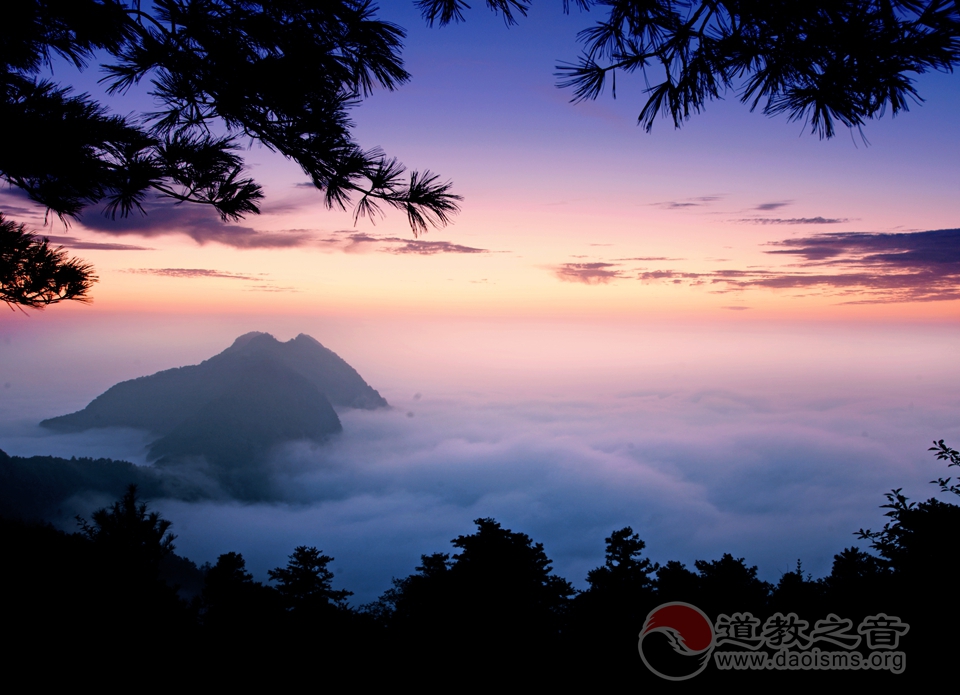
(232, 408)
(149, 402)
(304, 338)
(306, 356)
(252, 337)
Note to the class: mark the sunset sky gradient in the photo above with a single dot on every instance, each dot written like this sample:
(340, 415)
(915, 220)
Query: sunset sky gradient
(569, 209)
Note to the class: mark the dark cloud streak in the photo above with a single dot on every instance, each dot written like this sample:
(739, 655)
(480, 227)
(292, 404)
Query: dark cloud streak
(203, 226)
(361, 242)
(685, 203)
(78, 244)
(427, 248)
(198, 222)
(857, 267)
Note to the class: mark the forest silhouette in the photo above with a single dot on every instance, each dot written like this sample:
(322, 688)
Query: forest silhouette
(492, 610)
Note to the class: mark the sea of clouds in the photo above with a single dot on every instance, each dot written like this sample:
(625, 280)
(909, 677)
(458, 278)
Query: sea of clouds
(695, 473)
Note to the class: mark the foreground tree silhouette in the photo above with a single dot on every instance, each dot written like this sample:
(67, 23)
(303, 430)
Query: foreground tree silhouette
(913, 543)
(224, 72)
(493, 611)
(34, 275)
(137, 612)
(507, 576)
(624, 571)
(127, 531)
(917, 560)
(284, 74)
(606, 618)
(316, 621)
(820, 62)
(306, 584)
(496, 603)
(236, 612)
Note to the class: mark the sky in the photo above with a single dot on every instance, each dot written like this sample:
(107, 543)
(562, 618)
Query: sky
(732, 336)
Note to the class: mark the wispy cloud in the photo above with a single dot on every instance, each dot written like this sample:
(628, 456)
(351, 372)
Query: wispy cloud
(649, 258)
(684, 203)
(352, 241)
(194, 273)
(603, 272)
(21, 212)
(589, 273)
(74, 243)
(675, 276)
(270, 288)
(767, 207)
(428, 248)
(258, 283)
(794, 220)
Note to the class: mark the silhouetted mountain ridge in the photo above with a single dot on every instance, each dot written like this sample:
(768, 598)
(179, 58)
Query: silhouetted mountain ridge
(40, 487)
(164, 401)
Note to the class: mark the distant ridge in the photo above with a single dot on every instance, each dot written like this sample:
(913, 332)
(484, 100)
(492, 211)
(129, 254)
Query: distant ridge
(163, 401)
(44, 488)
(232, 408)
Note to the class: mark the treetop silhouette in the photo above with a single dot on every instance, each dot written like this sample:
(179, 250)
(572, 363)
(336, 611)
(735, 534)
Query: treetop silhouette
(224, 73)
(911, 544)
(624, 571)
(821, 62)
(495, 609)
(34, 275)
(305, 583)
(129, 534)
(500, 566)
